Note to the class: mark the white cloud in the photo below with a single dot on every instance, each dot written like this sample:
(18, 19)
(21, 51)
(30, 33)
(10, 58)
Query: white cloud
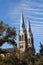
(37, 13)
(36, 18)
(36, 4)
(15, 11)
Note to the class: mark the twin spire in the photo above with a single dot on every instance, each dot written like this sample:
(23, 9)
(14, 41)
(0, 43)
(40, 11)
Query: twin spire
(22, 26)
(29, 32)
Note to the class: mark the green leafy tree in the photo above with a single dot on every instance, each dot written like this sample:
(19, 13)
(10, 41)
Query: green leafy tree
(7, 34)
(41, 49)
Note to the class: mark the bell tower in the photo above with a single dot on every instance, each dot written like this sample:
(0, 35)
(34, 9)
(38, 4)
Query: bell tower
(29, 37)
(25, 37)
(22, 46)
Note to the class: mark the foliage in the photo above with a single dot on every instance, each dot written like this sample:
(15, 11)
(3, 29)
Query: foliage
(12, 58)
(25, 59)
(7, 34)
(41, 49)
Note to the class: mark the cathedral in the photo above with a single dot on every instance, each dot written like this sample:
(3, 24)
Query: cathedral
(25, 42)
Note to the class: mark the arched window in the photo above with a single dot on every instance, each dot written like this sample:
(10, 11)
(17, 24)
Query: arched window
(21, 46)
(19, 38)
(22, 37)
(29, 40)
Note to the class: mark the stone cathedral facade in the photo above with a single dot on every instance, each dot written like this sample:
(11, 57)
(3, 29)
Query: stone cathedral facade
(25, 42)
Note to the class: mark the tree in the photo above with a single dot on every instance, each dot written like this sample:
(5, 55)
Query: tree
(7, 34)
(41, 49)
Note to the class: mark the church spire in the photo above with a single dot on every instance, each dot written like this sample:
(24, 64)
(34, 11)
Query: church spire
(29, 28)
(22, 25)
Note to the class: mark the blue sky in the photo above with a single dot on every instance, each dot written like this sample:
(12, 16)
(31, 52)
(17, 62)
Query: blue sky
(10, 13)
